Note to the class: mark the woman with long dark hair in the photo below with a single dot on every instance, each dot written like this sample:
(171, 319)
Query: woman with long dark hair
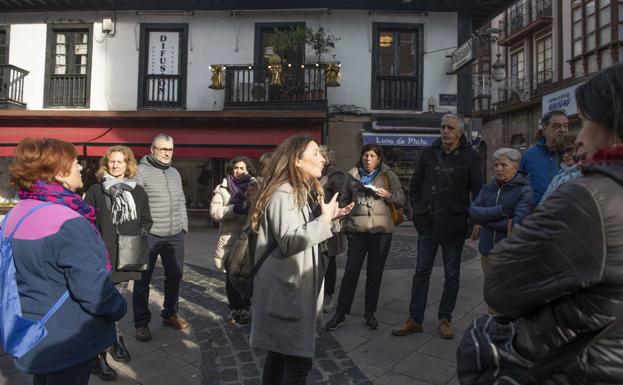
(230, 208)
(560, 271)
(123, 208)
(371, 186)
(287, 286)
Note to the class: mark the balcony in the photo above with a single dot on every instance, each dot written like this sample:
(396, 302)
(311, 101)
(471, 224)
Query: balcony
(481, 95)
(524, 17)
(258, 87)
(517, 93)
(12, 86)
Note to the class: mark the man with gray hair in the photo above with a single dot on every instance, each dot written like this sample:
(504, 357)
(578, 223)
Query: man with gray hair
(167, 202)
(447, 177)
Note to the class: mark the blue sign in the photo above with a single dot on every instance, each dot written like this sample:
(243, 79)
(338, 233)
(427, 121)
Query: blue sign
(406, 140)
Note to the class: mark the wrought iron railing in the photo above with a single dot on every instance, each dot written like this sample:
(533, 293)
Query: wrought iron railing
(12, 86)
(522, 13)
(516, 90)
(163, 91)
(67, 91)
(395, 93)
(260, 85)
(481, 85)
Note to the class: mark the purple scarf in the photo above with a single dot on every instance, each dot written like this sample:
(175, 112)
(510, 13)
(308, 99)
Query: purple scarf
(238, 188)
(55, 192)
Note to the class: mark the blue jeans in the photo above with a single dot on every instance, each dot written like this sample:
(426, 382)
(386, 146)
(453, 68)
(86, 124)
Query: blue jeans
(427, 247)
(171, 251)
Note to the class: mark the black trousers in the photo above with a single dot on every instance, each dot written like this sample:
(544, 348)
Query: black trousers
(76, 375)
(236, 300)
(281, 369)
(171, 251)
(376, 247)
(330, 277)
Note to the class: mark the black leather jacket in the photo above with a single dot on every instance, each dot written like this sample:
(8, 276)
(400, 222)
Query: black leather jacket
(562, 272)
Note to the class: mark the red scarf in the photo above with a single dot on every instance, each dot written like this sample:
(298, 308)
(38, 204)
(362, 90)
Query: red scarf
(608, 155)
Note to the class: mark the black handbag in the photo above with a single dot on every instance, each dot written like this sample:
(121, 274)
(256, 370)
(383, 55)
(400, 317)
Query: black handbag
(132, 252)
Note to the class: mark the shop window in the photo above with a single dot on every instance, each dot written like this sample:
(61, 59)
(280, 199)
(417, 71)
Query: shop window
(68, 66)
(162, 66)
(397, 67)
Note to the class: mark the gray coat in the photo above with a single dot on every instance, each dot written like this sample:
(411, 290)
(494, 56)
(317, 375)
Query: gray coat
(286, 288)
(166, 198)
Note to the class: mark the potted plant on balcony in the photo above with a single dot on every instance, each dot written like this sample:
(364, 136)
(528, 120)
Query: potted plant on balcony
(321, 42)
(284, 43)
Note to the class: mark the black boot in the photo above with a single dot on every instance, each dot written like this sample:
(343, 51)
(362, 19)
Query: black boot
(119, 352)
(102, 369)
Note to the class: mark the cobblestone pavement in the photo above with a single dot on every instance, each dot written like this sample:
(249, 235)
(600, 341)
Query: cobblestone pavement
(227, 358)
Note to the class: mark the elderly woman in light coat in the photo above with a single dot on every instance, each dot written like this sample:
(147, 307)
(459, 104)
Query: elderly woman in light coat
(288, 284)
(230, 207)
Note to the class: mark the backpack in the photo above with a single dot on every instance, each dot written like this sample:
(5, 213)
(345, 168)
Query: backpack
(19, 335)
(240, 261)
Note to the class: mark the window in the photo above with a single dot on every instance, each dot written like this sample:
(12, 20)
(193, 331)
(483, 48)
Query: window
(577, 31)
(605, 15)
(544, 59)
(397, 66)
(263, 35)
(4, 44)
(162, 66)
(517, 65)
(68, 66)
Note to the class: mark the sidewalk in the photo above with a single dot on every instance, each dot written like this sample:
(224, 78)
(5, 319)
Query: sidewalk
(212, 352)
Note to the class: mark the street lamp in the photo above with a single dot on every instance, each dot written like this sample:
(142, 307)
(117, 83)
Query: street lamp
(498, 69)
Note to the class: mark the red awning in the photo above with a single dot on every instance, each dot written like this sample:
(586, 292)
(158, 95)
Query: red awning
(248, 138)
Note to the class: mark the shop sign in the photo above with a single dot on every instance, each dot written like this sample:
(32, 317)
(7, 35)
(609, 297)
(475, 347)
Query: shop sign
(163, 53)
(463, 55)
(403, 140)
(561, 100)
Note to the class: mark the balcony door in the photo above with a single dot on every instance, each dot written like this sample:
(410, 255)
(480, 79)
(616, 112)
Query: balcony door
(162, 67)
(68, 66)
(397, 67)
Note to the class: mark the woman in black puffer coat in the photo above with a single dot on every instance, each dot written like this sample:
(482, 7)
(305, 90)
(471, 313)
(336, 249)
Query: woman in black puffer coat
(561, 270)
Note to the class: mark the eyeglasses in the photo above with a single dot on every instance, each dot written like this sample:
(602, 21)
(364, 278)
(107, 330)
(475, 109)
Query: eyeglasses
(163, 149)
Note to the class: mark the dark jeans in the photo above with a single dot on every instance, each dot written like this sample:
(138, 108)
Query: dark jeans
(75, 375)
(426, 251)
(236, 300)
(171, 251)
(376, 247)
(281, 369)
(330, 277)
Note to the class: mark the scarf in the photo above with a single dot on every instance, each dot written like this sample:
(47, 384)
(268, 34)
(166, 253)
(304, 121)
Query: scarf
(56, 193)
(608, 155)
(123, 207)
(156, 163)
(366, 178)
(238, 188)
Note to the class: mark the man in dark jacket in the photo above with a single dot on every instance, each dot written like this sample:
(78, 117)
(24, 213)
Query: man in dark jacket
(542, 161)
(447, 177)
(167, 203)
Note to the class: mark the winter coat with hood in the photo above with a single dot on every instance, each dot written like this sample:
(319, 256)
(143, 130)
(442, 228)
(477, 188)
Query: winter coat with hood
(446, 202)
(371, 213)
(163, 185)
(230, 223)
(287, 296)
(96, 197)
(486, 210)
(561, 270)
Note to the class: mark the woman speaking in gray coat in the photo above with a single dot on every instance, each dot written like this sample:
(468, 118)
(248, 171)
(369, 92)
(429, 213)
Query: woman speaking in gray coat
(287, 286)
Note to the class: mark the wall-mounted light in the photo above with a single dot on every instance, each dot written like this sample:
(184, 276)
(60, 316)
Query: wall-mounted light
(109, 27)
(498, 69)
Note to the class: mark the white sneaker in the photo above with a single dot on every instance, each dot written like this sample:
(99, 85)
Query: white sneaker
(329, 304)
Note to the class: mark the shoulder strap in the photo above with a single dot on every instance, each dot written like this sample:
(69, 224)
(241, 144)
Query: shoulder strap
(21, 220)
(387, 182)
(259, 263)
(65, 295)
(443, 168)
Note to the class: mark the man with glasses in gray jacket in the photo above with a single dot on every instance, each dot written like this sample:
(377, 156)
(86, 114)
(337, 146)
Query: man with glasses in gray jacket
(167, 202)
